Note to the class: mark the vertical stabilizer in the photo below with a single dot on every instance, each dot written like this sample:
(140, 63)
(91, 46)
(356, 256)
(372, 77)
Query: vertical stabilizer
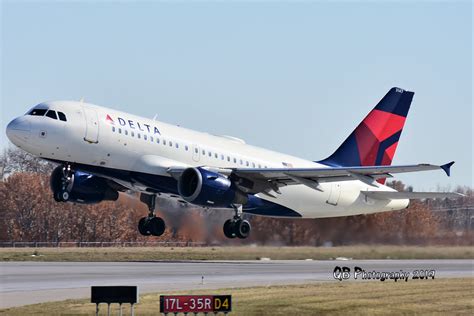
(375, 139)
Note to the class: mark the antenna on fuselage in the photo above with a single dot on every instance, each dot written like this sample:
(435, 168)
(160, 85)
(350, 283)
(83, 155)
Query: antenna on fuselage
(154, 117)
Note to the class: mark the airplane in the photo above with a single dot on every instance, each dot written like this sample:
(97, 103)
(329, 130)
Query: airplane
(101, 152)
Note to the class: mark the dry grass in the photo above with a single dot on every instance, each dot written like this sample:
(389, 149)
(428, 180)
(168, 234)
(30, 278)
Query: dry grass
(233, 253)
(440, 296)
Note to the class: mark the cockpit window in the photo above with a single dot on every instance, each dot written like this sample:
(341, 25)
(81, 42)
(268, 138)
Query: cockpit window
(62, 116)
(52, 114)
(38, 112)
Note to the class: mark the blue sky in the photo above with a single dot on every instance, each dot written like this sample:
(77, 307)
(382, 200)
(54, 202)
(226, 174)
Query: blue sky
(292, 77)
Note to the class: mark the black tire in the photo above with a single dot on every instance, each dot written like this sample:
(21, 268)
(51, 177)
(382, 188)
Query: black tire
(57, 197)
(229, 229)
(65, 196)
(156, 226)
(143, 227)
(61, 196)
(242, 228)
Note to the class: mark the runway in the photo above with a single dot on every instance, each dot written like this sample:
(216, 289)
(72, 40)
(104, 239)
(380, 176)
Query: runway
(24, 283)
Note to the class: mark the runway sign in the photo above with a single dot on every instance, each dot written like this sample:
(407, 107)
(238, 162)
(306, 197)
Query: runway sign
(195, 303)
(114, 294)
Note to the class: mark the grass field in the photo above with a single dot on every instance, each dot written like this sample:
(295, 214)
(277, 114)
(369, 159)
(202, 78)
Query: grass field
(440, 296)
(233, 253)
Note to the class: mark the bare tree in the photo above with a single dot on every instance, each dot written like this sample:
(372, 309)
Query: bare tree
(16, 160)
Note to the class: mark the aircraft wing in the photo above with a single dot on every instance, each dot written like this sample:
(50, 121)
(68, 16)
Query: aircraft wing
(266, 179)
(393, 195)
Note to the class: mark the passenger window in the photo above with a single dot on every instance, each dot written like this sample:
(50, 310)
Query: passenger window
(144, 137)
(132, 133)
(164, 141)
(176, 145)
(203, 152)
(186, 147)
(210, 154)
(125, 132)
(222, 157)
(228, 158)
(260, 166)
(157, 140)
(138, 135)
(216, 155)
(151, 138)
(38, 112)
(52, 114)
(196, 150)
(113, 129)
(247, 164)
(120, 131)
(253, 164)
(171, 144)
(62, 116)
(235, 160)
(241, 161)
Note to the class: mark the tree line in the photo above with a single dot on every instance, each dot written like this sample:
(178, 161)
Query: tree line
(28, 212)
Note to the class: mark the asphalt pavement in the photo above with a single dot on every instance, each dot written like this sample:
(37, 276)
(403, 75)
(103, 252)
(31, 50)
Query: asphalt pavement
(25, 283)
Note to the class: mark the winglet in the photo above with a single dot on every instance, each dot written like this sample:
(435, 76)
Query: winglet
(447, 168)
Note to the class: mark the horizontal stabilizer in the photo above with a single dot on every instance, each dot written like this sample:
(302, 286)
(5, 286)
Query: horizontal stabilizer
(394, 195)
(447, 168)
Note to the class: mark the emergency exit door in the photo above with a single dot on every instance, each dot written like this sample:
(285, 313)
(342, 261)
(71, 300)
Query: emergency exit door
(335, 193)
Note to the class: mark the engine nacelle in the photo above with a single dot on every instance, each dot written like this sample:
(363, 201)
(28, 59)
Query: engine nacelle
(83, 188)
(203, 187)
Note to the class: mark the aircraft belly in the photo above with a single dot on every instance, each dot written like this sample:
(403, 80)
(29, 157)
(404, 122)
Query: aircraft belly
(311, 203)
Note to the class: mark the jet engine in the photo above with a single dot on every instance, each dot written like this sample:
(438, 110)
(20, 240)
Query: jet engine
(80, 187)
(206, 188)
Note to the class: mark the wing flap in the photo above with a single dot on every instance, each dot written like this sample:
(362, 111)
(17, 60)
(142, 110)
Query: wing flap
(394, 195)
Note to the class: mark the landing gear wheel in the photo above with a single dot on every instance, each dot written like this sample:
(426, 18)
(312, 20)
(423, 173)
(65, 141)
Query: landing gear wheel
(237, 227)
(151, 225)
(156, 226)
(242, 228)
(229, 229)
(64, 196)
(61, 196)
(57, 196)
(143, 227)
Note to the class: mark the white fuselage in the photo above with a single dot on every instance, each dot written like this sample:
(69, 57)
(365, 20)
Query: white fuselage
(98, 136)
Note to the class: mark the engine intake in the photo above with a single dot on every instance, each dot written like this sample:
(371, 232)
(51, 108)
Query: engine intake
(203, 187)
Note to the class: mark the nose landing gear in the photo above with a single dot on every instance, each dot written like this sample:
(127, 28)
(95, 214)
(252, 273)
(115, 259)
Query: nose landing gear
(151, 225)
(62, 193)
(237, 227)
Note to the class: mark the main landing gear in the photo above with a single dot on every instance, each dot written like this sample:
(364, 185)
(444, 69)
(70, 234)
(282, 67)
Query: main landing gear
(237, 227)
(66, 174)
(151, 225)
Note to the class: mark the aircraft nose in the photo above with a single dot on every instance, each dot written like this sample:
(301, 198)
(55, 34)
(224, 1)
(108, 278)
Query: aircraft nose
(18, 130)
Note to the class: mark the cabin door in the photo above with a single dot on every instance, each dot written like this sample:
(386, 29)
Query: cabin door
(92, 125)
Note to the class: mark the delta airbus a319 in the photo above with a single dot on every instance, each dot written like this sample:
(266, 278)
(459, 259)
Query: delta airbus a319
(102, 152)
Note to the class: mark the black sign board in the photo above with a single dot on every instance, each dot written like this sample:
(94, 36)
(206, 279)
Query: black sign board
(114, 294)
